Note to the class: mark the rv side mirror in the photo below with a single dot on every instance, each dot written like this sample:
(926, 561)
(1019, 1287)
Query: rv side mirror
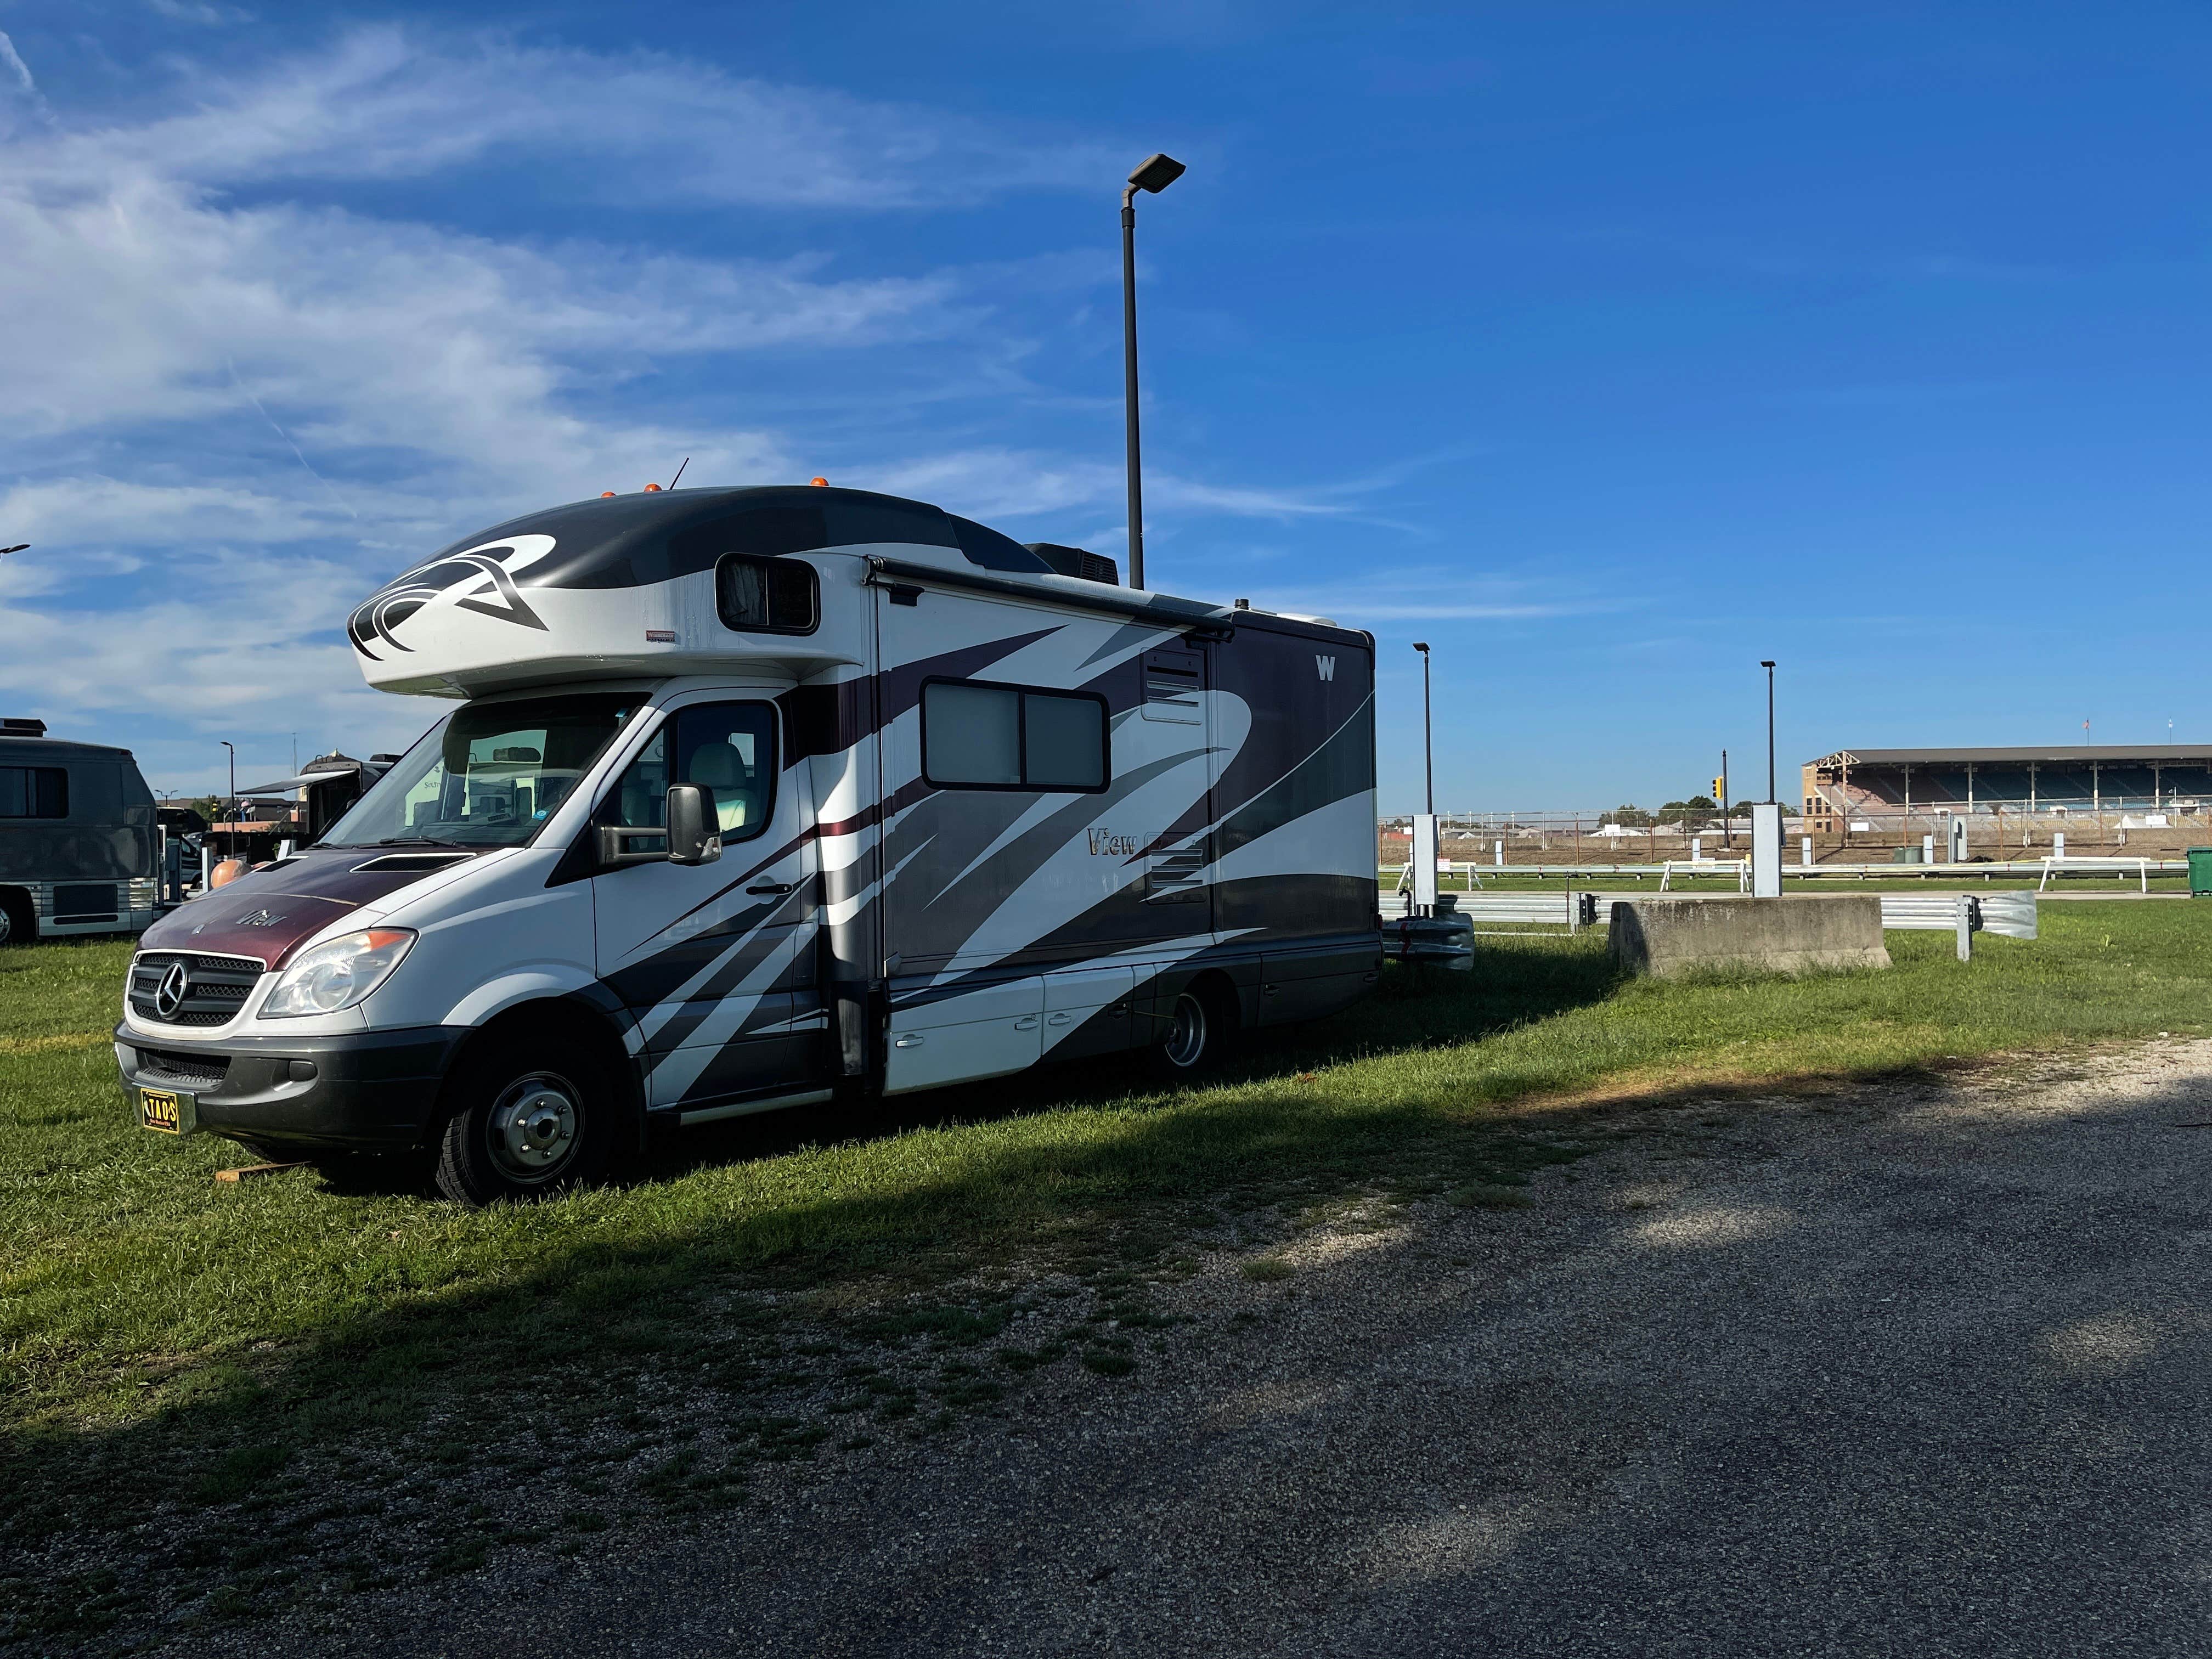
(690, 812)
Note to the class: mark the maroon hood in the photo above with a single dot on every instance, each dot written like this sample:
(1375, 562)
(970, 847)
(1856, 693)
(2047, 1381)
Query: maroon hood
(264, 913)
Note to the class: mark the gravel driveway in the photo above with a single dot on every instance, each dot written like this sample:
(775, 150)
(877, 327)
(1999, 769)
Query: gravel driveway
(1914, 1370)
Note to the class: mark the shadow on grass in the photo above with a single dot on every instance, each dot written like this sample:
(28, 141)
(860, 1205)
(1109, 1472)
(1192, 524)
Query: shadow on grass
(1511, 985)
(737, 1296)
(1416, 1008)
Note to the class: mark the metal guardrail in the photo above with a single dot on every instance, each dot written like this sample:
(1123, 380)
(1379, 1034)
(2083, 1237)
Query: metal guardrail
(2010, 914)
(2023, 867)
(2118, 866)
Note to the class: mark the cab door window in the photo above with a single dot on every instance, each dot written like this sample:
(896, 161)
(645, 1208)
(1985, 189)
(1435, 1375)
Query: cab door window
(728, 748)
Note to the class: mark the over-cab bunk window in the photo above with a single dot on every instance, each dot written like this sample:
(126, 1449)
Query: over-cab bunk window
(1010, 737)
(767, 596)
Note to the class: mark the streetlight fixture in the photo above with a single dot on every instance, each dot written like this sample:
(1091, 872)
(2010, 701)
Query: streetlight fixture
(1154, 174)
(1428, 753)
(1769, 667)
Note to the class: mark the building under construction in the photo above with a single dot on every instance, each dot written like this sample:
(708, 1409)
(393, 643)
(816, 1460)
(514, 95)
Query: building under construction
(1887, 788)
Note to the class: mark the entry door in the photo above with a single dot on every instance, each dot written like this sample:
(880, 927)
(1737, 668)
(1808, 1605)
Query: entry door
(716, 961)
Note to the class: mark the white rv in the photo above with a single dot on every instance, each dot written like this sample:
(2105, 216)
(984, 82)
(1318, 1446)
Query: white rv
(761, 797)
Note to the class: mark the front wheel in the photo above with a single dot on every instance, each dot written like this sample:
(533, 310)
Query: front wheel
(525, 1124)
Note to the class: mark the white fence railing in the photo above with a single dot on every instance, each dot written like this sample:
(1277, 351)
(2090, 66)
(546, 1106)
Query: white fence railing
(2011, 914)
(1475, 875)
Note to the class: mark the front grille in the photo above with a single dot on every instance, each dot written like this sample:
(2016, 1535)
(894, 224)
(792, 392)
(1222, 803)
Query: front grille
(168, 1064)
(250, 966)
(215, 987)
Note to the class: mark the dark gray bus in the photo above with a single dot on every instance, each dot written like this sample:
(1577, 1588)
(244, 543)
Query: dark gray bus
(78, 843)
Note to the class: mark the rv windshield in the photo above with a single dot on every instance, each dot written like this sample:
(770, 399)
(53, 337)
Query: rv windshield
(490, 775)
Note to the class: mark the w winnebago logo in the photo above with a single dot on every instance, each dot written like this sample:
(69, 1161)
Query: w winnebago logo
(481, 579)
(1325, 666)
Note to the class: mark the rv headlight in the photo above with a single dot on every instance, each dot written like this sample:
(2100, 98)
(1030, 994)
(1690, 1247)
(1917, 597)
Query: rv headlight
(338, 973)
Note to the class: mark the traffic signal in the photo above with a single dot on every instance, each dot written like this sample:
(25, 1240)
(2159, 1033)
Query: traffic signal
(1717, 791)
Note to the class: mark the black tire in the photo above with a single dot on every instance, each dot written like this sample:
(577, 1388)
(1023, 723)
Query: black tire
(529, 1117)
(18, 923)
(1202, 1030)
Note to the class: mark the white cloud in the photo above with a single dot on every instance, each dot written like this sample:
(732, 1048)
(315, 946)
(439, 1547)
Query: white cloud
(14, 61)
(1017, 484)
(234, 405)
(196, 11)
(390, 105)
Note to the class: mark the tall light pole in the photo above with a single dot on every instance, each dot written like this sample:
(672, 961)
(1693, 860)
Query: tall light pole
(232, 808)
(1154, 174)
(1428, 753)
(1769, 667)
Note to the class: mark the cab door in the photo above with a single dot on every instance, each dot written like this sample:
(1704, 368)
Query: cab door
(716, 962)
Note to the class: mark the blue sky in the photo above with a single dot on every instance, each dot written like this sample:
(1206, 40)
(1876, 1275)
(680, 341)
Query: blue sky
(1608, 348)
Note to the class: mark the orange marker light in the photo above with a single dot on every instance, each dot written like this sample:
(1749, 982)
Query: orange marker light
(824, 483)
(653, 487)
(606, 494)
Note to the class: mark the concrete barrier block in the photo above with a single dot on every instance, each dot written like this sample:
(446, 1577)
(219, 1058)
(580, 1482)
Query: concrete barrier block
(1671, 937)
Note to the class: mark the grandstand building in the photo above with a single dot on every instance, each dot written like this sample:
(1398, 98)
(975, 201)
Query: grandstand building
(1888, 788)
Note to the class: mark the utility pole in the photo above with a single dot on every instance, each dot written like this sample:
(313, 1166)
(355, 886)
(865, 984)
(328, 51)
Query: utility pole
(1769, 667)
(1428, 749)
(230, 811)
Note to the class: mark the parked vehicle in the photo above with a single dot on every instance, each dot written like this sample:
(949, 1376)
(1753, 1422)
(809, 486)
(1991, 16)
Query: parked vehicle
(763, 797)
(77, 841)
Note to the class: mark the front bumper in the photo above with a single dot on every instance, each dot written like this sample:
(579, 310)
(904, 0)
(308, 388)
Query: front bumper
(354, 1091)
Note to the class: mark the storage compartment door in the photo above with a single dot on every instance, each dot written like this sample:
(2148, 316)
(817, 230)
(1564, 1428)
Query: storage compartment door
(1311, 984)
(1086, 1011)
(941, 1034)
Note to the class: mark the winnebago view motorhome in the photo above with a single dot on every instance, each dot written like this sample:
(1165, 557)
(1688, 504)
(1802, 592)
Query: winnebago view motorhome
(77, 841)
(762, 797)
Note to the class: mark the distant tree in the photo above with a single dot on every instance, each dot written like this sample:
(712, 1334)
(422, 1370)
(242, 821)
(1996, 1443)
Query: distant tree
(1692, 813)
(1627, 817)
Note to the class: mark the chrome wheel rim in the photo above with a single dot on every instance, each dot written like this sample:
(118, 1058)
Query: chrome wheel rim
(533, 1126)
(1187, 1040)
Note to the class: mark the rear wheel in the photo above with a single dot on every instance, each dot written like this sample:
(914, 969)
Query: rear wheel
(528, 1119)
(17, 926)
(1199, 1032)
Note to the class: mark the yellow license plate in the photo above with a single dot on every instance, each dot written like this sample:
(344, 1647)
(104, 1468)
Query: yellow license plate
(167, 1110)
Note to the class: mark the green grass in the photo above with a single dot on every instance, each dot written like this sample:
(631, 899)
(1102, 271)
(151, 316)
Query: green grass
(162, 1337)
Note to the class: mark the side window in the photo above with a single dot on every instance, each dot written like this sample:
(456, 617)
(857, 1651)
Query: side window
(33, 792)
(1008, 736)
(971, 734)
(767, 596)
(729, 749)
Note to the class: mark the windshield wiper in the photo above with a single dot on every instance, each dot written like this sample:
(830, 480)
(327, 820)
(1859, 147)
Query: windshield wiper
(422, 841)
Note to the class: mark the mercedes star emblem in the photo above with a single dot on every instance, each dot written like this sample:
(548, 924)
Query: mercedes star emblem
(169, 994)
